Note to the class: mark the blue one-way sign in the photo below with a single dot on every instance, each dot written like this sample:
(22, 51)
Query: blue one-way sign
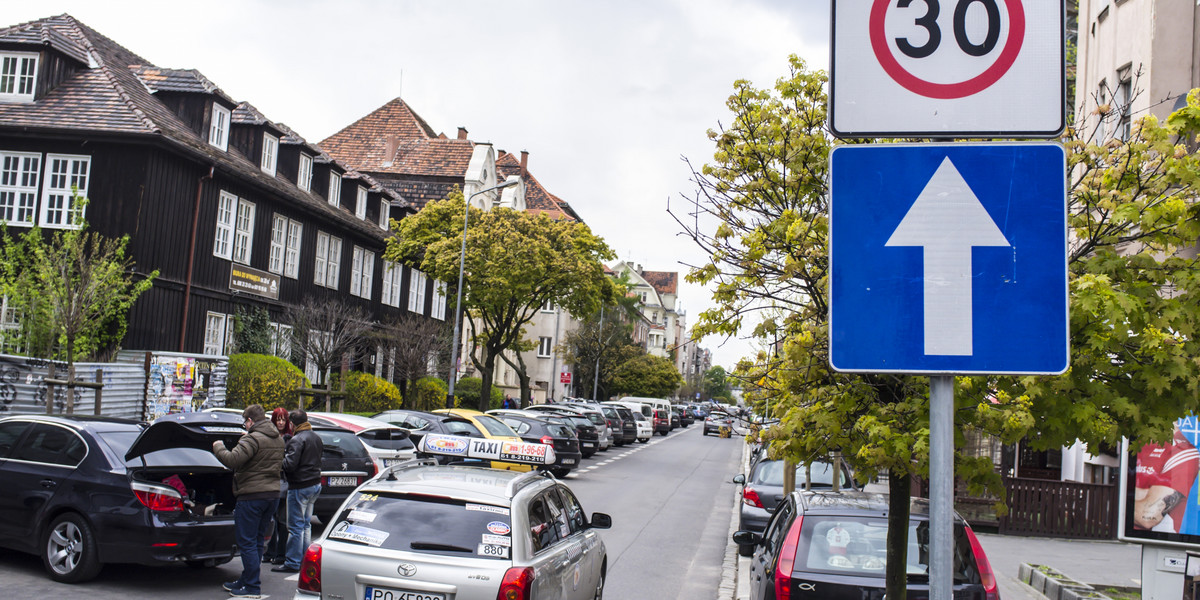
(948, 258)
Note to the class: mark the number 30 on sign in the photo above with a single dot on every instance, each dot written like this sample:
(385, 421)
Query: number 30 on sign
(942, 68)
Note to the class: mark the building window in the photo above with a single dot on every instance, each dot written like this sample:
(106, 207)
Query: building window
(390, 295)
(223, 240)
(214, 333)
(18, 187)
(270, 153)
(304, 175)
(243, 232)
(10, 327)
(291, 258)
(548, 306)
(66, 179)
(360, 203)
(416, 291)
(18, 73)
(218, 130)
(544, 344)
(335, 188)
(439, 301)
(385, 214)
(1123, 100)
(328, 260)
(362, 269)
(281, 340)
(285, 246)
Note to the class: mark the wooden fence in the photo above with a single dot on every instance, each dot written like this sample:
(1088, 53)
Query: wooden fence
(1060, 509)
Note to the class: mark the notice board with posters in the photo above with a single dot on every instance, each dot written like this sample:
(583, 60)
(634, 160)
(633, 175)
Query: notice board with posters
(1160, 494)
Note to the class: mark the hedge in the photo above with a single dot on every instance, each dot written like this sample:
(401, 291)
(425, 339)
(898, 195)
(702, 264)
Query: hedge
(365, 393)
(262, 379)
(466, 393)
(430, 394)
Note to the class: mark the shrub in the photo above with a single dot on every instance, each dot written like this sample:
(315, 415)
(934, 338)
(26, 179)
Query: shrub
(262, 379)
(430, 394)
(367, 393)
(466, 393)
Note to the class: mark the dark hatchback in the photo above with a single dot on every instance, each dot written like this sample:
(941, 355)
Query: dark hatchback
(832, 546)
(83, 491)
(622, 423)
(762, 491)
(345, 464)
(589, 436)
(536, 428)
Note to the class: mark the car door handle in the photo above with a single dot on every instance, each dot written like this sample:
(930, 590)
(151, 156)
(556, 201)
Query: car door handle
(49, 484)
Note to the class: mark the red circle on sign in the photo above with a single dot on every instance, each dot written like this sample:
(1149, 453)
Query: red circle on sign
(948, 91)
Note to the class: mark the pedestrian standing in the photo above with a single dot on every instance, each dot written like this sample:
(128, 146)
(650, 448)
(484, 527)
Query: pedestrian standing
(277, 546)
(302, 466)
(256, 461)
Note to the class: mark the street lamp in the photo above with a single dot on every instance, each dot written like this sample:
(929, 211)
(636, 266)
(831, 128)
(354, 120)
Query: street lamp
(462, 260)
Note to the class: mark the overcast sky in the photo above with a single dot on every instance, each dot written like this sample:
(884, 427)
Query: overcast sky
(606, 96)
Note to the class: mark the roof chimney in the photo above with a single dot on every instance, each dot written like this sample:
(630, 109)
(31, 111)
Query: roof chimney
(462, 133)
(389, 152)
(524, 164)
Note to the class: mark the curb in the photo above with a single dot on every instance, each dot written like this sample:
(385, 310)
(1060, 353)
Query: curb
(727, 590)
(1054, 585)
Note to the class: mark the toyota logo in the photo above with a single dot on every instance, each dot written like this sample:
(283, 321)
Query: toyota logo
(407, 569)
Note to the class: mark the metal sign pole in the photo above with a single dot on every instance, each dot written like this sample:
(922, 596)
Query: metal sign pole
(941, 487)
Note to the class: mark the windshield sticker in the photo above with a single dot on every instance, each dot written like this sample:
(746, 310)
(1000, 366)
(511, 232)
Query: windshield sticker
(498, 528)
(365, 516)
(493, 551)
(500, 510)
(363, 535)
(496, 540)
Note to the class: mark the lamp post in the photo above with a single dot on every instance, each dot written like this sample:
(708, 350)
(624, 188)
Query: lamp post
(462, 260)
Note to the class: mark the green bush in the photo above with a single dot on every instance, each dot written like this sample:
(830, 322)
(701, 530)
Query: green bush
(466, 393)
(430, 395)
(366, 393)
(262, 379)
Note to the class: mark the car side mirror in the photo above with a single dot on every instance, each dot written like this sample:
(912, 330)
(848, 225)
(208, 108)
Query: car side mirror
(739, 479)
(600, 521)
(746, 538)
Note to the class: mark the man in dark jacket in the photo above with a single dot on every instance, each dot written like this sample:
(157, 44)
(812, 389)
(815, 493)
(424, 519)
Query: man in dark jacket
(256, 461)
(302, 467)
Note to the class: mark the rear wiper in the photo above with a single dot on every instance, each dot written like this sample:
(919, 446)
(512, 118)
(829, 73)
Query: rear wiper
(440, 547)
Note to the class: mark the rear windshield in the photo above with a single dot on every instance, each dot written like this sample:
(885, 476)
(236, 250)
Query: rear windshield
(858, 546)
(342, 443)
(426, 524)
(120, 441)
(558, 431)
(596, 419)
(386, 439)
(770, 472)
(495, 427)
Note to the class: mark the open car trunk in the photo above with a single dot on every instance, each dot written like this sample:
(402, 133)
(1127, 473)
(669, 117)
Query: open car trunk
(207, 490)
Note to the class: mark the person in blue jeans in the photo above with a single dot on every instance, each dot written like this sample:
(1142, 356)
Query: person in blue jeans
(302, 468)
(255, 461)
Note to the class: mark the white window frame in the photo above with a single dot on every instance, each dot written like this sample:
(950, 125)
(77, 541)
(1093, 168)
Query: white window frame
(10, 324)
(362, 268)
(20, 173)
(285, 246)
(385, 214)
(416, 291)
(335, 188)
(545, 345)
(281, 340)
(223, 238)
(304, 173)
(390, 294)
(58, 189)
(243, 232)
(215, 325)
(291, 255)
(320, 260)
(360, 203)
(218, 127)
(439, 300)
(19, 83)
(548, 306)
(328, 260)
(279, 225)
(270, 154)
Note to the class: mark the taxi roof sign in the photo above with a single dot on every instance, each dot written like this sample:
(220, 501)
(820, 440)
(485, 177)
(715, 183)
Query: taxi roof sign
(478, 448)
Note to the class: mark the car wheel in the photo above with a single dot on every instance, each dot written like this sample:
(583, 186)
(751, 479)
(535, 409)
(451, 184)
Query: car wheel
(559, 472)
(69, 552)
(600, 585)
(705, 432)
(745, 550)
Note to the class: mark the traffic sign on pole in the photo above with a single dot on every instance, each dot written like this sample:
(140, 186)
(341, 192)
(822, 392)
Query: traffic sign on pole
(947, 68)
(948, 258)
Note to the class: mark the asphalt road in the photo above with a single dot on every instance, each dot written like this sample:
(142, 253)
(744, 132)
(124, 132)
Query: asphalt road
(670, 501)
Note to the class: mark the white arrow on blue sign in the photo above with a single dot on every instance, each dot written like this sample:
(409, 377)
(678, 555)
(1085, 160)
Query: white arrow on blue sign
(948, 258)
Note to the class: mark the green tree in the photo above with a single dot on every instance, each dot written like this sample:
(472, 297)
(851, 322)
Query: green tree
(609, 344)
(252, 330)
(262, 379)
(515, 263)
(647, 376)
(714, 383)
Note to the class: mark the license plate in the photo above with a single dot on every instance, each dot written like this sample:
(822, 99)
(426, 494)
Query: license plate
(374, 593)
(568, 461)
(342, 481)
(588, 444)
(387, 462)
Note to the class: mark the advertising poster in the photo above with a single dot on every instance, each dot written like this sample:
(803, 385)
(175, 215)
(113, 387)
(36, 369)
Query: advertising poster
(1162, 498)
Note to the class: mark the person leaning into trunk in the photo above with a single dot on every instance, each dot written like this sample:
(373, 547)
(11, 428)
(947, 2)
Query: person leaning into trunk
(256, 461)
(302, 467)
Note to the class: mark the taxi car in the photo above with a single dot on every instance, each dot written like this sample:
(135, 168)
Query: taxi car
(491, 428)
(423, 531)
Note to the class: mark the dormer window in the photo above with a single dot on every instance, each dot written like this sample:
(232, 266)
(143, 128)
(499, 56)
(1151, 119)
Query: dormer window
(385, 213)
(218, 129)
(18, 73)
(335, 188)
(304, 175)
(360, 204)
(270, 153)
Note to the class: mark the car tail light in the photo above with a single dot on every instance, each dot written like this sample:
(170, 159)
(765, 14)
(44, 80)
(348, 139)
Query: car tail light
(517, 584)
(787, 559)
(310, 570)
(986, 576)
(750, 496)
(158, 497)
(549, 441)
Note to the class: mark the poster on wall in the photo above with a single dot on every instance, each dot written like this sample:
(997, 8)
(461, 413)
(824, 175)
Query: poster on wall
(180, 384)
(1161, 495)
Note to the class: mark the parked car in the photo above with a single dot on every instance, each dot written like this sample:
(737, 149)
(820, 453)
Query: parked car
(623, 426)
(662, 421)
(491, 428)
(436, 532)
(589, 436)
(639, 412)
(386, 443)
(685, 417)
(540, 428)
(715, 421)
(599, 421)
(762, 491)
(84, 491)
(833, 545)
(345, 464)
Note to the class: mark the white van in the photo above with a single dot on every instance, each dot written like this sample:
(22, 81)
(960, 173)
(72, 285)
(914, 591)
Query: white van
(645, 427)
(655, 404)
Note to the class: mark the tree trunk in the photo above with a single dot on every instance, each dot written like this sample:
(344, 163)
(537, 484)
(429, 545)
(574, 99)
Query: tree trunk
(896, 578)
(486, 372)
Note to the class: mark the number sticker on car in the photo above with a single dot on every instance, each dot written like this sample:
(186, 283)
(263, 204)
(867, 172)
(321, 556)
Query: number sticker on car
(493, 550)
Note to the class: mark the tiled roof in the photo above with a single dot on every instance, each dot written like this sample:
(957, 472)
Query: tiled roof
(537, 199)
(363, 145)
(665, 282)
(188, 81)
(37, 32)
(419, 193)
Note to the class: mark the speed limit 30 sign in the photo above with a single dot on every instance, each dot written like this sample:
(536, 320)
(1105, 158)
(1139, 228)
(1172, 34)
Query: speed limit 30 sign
(947, 68)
